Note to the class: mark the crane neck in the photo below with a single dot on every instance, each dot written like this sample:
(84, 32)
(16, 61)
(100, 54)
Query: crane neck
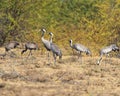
(42, 34)
(42, 37)
(51, 37)
(71, 45)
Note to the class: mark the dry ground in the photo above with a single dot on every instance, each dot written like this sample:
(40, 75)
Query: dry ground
(34, 76)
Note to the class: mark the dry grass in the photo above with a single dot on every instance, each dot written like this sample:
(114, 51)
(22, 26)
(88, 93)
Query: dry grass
(34, 76)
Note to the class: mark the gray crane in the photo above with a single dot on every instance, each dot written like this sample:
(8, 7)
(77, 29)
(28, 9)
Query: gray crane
(11, 45)
(107, 50)
(80, 48)
(46, 43)
(30, 46)
(55, 49)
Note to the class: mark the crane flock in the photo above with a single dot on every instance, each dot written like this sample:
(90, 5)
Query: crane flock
(50, 46)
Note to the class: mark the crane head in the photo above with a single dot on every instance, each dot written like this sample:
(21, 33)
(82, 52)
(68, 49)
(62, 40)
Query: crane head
(43, 30)
(115, 47)
(51, 34)
(88, 52)
(70, 40)
(16, 44)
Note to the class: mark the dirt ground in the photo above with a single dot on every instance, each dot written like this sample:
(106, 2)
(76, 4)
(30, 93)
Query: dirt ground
(35, 76)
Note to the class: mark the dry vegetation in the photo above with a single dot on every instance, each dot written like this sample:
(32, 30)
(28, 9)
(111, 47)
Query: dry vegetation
(93, 23)
(34, 76)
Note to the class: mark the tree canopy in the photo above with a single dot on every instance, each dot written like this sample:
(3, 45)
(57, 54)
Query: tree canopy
(94, 23)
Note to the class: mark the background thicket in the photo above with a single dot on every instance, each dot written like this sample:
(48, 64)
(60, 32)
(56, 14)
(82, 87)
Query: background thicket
(94, 23)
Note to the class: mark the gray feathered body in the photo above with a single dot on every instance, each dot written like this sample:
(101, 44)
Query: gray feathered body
(30, 46)
(81, 48)
(11, 45)
(56, 50)
(107, 50)
(46, 44)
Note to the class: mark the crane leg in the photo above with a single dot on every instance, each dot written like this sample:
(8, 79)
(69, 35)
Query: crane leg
(12, 54)
(108, 58)
(48, 56)
(98, 62)
(54, 58)
(30, 53)
(73, 52)
(80, 56)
